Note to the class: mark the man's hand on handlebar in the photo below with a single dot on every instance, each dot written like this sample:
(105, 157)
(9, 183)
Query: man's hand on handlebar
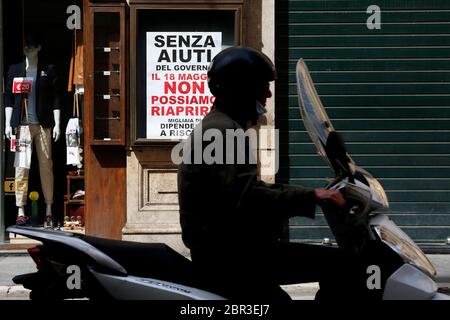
(334, 196)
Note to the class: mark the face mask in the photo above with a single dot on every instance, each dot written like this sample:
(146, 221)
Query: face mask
(260, 109)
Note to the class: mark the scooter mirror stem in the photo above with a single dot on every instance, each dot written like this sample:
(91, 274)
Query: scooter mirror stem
(352, 170)
(337, 155)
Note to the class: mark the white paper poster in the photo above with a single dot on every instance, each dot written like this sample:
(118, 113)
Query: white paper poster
(177, 89)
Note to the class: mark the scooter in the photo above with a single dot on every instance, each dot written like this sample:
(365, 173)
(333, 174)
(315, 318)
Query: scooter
(78, 266)
(364, 229)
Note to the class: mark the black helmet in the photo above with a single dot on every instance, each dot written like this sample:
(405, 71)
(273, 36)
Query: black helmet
(242, 71)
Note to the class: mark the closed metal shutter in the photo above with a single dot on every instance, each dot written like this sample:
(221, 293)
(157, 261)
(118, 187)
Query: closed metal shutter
(387, 91)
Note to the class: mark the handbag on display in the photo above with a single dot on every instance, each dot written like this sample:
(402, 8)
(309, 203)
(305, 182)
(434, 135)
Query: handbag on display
(73, 135)
(24, 146)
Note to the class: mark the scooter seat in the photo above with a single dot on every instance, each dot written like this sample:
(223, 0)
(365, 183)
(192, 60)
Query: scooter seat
(147, 260)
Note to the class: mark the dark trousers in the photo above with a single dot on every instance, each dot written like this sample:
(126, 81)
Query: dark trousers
(256, 273)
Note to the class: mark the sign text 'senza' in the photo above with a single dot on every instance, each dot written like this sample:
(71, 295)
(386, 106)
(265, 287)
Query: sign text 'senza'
(177, 91)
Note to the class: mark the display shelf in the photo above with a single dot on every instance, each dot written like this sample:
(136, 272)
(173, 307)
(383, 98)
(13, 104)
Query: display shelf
(106, 59)
(74, 183)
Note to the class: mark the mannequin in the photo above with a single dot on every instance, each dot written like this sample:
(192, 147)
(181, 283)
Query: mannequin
(43, 118)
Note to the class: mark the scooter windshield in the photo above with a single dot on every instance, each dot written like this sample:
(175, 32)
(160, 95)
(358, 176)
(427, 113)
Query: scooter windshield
(313, 113)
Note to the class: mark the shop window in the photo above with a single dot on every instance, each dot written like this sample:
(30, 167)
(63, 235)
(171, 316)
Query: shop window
(170, 52)
(42, 59)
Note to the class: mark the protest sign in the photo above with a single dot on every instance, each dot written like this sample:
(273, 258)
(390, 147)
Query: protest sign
(177, 90)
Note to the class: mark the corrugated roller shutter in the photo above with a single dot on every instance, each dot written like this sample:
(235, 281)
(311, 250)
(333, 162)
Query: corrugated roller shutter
(387, 91)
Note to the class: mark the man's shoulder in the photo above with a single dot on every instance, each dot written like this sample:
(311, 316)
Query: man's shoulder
(219, 120)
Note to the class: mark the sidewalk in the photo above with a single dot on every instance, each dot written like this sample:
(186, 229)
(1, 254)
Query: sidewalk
(12, 263)
(18, 262)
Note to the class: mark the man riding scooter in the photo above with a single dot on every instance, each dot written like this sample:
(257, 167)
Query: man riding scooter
(231, 221)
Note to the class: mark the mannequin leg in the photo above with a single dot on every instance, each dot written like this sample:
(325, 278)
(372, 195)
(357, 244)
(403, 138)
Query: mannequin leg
(21, 211)
(21, 192)
(48, 211)
(43, 145)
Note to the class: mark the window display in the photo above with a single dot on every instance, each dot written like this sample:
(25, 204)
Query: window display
(34, 114)
(38, 66)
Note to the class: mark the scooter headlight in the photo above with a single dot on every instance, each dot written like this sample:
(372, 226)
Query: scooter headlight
(405, 248)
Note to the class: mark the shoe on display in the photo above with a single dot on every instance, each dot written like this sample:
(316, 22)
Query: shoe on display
(78, 195)
(49, 221)
(22, 221)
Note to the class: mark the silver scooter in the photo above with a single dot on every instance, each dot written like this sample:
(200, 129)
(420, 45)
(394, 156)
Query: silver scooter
(77, 266)
(410, 274)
